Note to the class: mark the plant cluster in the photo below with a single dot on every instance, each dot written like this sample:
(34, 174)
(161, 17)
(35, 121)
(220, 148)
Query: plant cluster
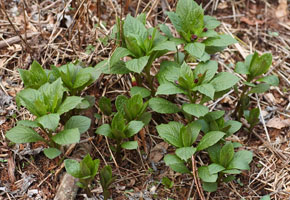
(53, 97)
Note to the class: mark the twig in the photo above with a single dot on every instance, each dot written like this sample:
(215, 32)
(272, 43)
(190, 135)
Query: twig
(196, 180)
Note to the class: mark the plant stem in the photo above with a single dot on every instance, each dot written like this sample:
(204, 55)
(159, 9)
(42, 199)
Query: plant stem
(239, 110)
(118, 151)
(150, 78)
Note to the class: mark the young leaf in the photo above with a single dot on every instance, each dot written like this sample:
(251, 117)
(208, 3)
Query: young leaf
(140, 90)
(235, 126)
(212, 116)
(241, 160)
(215, 168)
(166, 45)
(81, 122)
(130, 145)
(242, 68)
(82, 78)
(137, 65)
(209, 139)
(22, 134)
(271, 80)
(69, 103)
(68, 136)
(167, 182)
(260, 65)
(133, 128)
(210, 187)
(260, 88)
(105, 105)
(171, 133)
(49, 121)
(51, 153)
(105, 130)
(220, 41)
(28, 123)
(195, 49)
(165, 29)
(73, 168)
(120, 103)
(196, 110)
(210, 22)
(176, 21)
(206, 89)
(119, 53)
(208, 68)
(224, 80)
(226, 154)
(189, 133)
(185, 152)
(175, 163)
(163, 106)
(169, 88)
(205, 175)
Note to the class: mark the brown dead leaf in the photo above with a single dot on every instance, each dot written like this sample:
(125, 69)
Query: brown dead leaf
(11, 168)
(270, 98)
(156, 154)
(251, 22)
(278, 123)
(281, 11)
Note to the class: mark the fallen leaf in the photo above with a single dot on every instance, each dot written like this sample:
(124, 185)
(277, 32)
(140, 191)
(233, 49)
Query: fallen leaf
(251, 22)
(281, 11)
(278, 123)
(157, 153)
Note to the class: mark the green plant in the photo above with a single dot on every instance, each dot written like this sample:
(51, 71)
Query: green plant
(106, 179)
(225, 164)
(128, 121)
(142, 45)
(167, 182)
(254, 67)
(196, 32)
(85, 171)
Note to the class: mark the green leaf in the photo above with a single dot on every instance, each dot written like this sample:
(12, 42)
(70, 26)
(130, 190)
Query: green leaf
(81, 122)
(167, 182)
(69, 103)
(224, 80)
(140, 90)
(196, 110)
(165, 29)
(105, 130)
(232, 171)
(260, 88)
(166, 45)
(209, 139)
(220, 41)
(169, 88)
(241, 160)
(266, 197)
(134, 26)
(195, 49)
(137, 65)
(73, 168)
(82, 78)
(68, 136)
(235, 126)
(49, 121)
(215, 168)
(206, 89)
(209, 68)
(51, 153)
(271, 80)
(163, 106)
(175, 20)
(28, 123)
(133, 128)
(175, 163)
(130, 145)
(205, 175)
(209, 187)
(171, 133)
(226, 154)
(118, 122)
(185, 152)
(189, 133)
(242, 68)
(105, 105)
(118, 68)
(119, 53)
(212, 116)
(214, 153)
(120, 103)
(22, 134)
(210, 22)
(260, 65)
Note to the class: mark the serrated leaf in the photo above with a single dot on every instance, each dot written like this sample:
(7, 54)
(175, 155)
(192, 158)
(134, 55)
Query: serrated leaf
(49, 121)
(171, 133)
(137, 65)
(69, 103)
(140, 90)
(51, 153)
(205, 175)
(163, 106)
(224, 80)
(209, 139)
(68, 136)
(22, 134)
(196, 110)
(130, 145)
(175, 163)
(81, 122)
(185, 152)
(195, 49)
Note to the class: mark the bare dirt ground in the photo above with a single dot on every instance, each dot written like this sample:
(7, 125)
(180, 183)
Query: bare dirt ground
(57, 32)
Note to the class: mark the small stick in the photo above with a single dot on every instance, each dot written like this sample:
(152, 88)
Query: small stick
(196, 180)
